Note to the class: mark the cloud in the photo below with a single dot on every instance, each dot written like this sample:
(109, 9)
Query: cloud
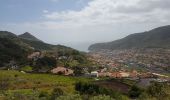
(112, 11)
(45, 11)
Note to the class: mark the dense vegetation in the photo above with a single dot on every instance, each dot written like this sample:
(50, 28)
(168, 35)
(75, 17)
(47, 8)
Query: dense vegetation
(156, 38)
(93, 89)
(44, 64)
(16, 49)
(28, 36)
(11, 51)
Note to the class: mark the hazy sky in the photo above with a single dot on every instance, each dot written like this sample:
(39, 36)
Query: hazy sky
(79, 23)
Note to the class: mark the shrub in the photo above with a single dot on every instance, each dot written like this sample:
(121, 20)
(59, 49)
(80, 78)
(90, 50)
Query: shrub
(85, 88)
(22, 96)
(70, 97)
(26, 68)
(15, 75)
(101, 97)
(44, 95)
(56, 93)
(93, 89)
(159, 90)
(4, 84)
(135, 92)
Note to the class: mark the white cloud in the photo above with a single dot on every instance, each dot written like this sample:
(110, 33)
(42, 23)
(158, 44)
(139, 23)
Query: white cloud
(111, 11)
(45, 11)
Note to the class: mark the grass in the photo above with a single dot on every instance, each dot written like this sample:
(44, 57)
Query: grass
(26, 68)
(28, 86)
(25, 82)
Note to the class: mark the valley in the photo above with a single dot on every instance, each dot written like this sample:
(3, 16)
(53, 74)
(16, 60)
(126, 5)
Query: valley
(85, 50)
(125, 69)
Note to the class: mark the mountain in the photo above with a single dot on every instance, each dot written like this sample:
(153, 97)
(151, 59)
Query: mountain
(27, 40)
(38, 44)
(28, 36)
(6, 34)
(14, 38)
(16, 48)
(9, 50)
(156, 38)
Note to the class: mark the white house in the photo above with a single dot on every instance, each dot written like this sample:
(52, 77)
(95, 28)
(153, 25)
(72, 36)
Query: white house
(124, 74)
(94, 74)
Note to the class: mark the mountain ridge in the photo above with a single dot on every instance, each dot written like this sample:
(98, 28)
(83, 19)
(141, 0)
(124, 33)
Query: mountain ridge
(28, 36)
(155, 38)
(13, 47)
(28, 39)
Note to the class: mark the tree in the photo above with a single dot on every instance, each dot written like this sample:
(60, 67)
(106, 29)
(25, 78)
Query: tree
(101, 97)
(4, 84)
(56, 93)
(45, 63)
(78, 71)
(135, 92)
(159, 90)
(70, 97)
(44, 95)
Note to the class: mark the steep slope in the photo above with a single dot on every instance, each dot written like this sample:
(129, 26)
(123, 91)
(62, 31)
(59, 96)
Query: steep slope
(14, 48)
(9, 50)
(28, 36)
(6, 34)
(37, 44)
(156, 38)
(14, 38)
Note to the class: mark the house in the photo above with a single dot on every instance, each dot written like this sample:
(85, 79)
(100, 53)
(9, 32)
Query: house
(159, 75)
(62, 57)
(62, 71)
(34, 55)
(104, 74)
(134, 74)
(94, 74)
(146, 75)
(119, 74)
(103, 70)
(115, 75)
(124, 74)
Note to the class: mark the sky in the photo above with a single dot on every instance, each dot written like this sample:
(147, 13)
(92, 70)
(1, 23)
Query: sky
(80, 23)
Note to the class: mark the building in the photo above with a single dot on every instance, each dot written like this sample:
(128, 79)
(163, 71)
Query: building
(62, 71)
(124, 74)
(119, 74)
(34, 55)
(134, 74)
(94, 74)
(104, 74)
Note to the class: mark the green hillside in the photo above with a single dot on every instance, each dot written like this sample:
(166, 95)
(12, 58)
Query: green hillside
(10, 51)
(16, 49)
(6, 34)
(28, 36)
(156, 38)
(30, 84)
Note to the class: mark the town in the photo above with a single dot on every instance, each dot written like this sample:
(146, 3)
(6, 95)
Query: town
(140, 65)
(135, 64)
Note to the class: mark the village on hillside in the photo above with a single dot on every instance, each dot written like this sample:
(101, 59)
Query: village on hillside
(128, 64)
